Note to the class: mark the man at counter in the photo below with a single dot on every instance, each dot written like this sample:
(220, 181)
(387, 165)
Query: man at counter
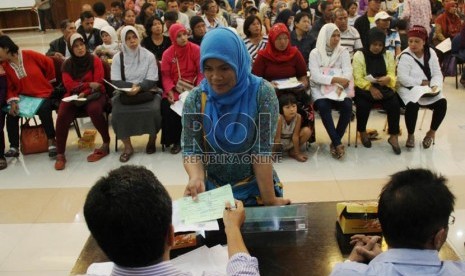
(129, 214)
(414, 210)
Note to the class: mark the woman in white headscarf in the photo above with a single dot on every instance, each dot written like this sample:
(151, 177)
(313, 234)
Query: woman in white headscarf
(332, 84)
(135, 68)
(110, 44)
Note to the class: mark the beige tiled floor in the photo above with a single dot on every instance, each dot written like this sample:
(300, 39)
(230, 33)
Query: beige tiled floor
(42, 229)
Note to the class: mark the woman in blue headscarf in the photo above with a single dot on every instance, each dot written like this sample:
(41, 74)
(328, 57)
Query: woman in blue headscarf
(229, 122)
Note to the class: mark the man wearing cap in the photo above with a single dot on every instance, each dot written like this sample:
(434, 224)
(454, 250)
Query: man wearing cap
(350, 38)
(383, 21)
(367, 21)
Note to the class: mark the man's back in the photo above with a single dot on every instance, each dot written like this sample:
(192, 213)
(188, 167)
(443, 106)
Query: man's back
(402, 262)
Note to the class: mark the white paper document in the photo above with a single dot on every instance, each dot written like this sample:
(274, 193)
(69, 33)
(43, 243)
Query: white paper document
(116, 87)
(180, 226)
(209, 205)
(287, 83)
(445, 46)
(73, 98)
(371, 79)
(179, 104)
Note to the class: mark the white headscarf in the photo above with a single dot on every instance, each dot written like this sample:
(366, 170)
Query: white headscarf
(328, 56)
(111, 32)
(136, 62)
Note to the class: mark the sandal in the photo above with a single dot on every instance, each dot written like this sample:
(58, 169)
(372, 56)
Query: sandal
(125, 156)
(333, 151)
(3, 163)
(340, 151)
(12, 152)
(97, 155)
(410, 141)
(427, 141)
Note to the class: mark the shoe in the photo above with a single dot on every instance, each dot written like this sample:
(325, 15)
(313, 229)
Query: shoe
(12, 152)
(364, 138)
(175, 149)
(150, 148)
(125, 156)
(3, 163)
(395, 148)
(97, 155)
(52, 151)
(410, 141)
(427, 141)
(60, 162)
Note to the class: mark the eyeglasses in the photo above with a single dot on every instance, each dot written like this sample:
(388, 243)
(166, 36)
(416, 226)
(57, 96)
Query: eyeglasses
(451, 220)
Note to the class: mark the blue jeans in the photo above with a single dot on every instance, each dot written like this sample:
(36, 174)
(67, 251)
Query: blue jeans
(324, 107)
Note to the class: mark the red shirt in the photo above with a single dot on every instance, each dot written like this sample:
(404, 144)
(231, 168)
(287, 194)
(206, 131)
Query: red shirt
(271, 70)
(40, 72)
(97, 76)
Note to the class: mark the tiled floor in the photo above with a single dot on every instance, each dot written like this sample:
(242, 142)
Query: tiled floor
(41, 225)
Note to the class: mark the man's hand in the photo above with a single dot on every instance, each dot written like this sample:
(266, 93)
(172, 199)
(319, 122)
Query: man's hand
(194, 187)
(375, 93)
(233, 217)
(366, 248)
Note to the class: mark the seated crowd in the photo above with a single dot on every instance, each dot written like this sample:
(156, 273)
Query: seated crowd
(152, 50)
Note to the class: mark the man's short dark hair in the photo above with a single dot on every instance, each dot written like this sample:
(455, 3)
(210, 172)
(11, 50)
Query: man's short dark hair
(86, 15)
(401, 24)
(64, 24)
(248, 21)
(324, 5)
(99, 8)
(116, 4)
(7, 43)
(171, 16)
(413, 206)
(206, 3)
(301, 15)
(129, 213)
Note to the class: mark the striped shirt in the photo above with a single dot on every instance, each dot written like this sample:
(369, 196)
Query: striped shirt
(350, 39)
(239, 264)
(253, 49)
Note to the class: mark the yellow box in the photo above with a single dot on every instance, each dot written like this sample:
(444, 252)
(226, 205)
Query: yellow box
(358, 217)
(88, 139)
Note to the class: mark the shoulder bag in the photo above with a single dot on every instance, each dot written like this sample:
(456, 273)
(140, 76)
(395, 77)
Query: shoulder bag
(139, 98)
(183, 85)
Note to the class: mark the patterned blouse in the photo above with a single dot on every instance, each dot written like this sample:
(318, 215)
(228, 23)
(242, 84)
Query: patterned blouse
(226, 172)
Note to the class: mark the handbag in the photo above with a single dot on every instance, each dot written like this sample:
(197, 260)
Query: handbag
(139, 98)
(183, 85)
(33, 138)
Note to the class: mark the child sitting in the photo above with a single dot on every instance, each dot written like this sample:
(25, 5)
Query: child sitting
(290, 136)
(110, 44)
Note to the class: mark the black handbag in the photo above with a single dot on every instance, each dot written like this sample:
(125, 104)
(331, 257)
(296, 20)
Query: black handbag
(139, 98)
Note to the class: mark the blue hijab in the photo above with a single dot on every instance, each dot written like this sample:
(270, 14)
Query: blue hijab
(237, 108)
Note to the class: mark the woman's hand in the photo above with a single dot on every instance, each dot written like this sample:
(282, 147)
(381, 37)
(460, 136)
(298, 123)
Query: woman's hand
(375, 93)
(82, 95)
(134, 90)
(342, 81)
(384, 81)
(14, 109)
(425, 83)
(277, 201)
(194, 187)
(171, 96)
